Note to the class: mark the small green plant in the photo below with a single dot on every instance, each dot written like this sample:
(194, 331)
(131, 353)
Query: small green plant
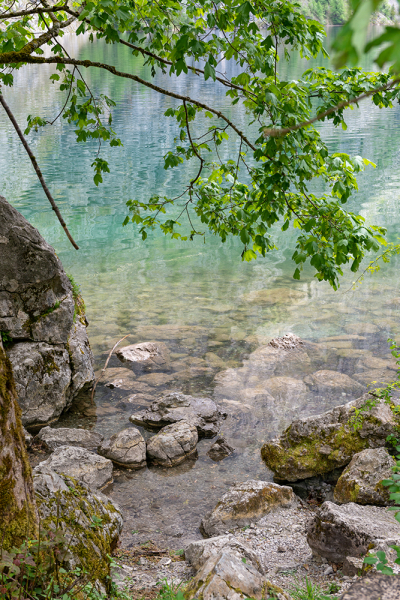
(307, 590)
(170, 591)
(76, 290)
(36, 571)
(6, 338)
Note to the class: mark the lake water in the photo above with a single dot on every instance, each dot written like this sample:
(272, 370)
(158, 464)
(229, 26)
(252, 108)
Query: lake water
(199, 298)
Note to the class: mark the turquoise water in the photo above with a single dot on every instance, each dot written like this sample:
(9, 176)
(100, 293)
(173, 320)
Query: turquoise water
(192, 296)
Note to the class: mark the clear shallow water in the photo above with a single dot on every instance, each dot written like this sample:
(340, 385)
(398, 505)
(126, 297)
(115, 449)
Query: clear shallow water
(195, 296)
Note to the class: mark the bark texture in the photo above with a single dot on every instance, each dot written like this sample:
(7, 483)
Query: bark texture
(18, 512)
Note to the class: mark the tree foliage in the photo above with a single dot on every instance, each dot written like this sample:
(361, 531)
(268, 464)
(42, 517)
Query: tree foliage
(268, 182)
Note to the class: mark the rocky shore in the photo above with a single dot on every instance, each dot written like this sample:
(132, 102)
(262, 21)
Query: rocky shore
(327, 506)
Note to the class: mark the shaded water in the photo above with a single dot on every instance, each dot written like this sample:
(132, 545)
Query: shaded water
(199, 299)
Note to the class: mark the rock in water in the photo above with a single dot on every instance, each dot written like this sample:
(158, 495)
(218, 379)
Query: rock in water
(49, 349)
(351, 530)
(326, 381)
(289, 341)
(148, 356)
(173, 444)
(81, 464)
(175, 406)
(361, 481)
(90, 521)
(317, 445)
(126, 448)
(244, 503)
(220, 450)
(53, 438)
(374, 587)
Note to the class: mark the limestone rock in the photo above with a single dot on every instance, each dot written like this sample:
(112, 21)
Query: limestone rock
(282, 295)
(63, 436)
(244, 503)
(120, 378)
(28, 438)
(173, 444)
(50, 352)
(90, 521)
(361, 481)
(289, 341)
(175, 406)
(225, 576)
(328, 382)
(126, 448)
(317, 445)
(220, 450)
(42, 376)
(198, 552)
(351, 530)
(81, 360)
(148, 356)
(81, 464)
(374, 587)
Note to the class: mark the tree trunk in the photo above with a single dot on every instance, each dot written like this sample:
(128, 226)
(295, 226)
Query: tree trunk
(18, 512)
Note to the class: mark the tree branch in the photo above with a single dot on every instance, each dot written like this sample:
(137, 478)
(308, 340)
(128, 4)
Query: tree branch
(281, 132)
(24, 56)
(37, 169)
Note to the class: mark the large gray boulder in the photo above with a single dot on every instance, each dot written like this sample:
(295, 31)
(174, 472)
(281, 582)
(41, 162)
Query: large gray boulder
(361, 481)
(44, 320)
(173, 444)
(64, 436)
(245, 503)
(126, 448)
(203, 413)
(317, 445)
(337, 532)
(90, 521)
(81, 464)
(374, 587)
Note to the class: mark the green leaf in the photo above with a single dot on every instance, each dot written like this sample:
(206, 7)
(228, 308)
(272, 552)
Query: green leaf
(209, 71)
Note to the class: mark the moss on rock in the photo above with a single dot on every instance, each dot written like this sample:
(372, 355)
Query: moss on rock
(89, 520)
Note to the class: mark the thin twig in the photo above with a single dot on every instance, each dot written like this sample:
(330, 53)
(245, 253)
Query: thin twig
(105, 366)
(37, 169)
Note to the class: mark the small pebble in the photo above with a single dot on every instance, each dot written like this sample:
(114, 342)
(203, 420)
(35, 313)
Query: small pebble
(328, 571)
(281, 549)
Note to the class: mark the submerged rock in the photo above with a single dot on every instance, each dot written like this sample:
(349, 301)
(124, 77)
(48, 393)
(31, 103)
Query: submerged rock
(90, 521)
(374, 587)
(126, 448)
(63, 436)
(244, 503)
(328, 382)
(173, 444)
(120, 378)
(282, 295)
(317, 445)
(351, 530)
(220, 450)
(175, 406)
(42, 315)
(148, 356)
(361, 481)
(81, 464)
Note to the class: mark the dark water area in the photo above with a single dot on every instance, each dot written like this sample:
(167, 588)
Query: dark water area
(215, 313)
